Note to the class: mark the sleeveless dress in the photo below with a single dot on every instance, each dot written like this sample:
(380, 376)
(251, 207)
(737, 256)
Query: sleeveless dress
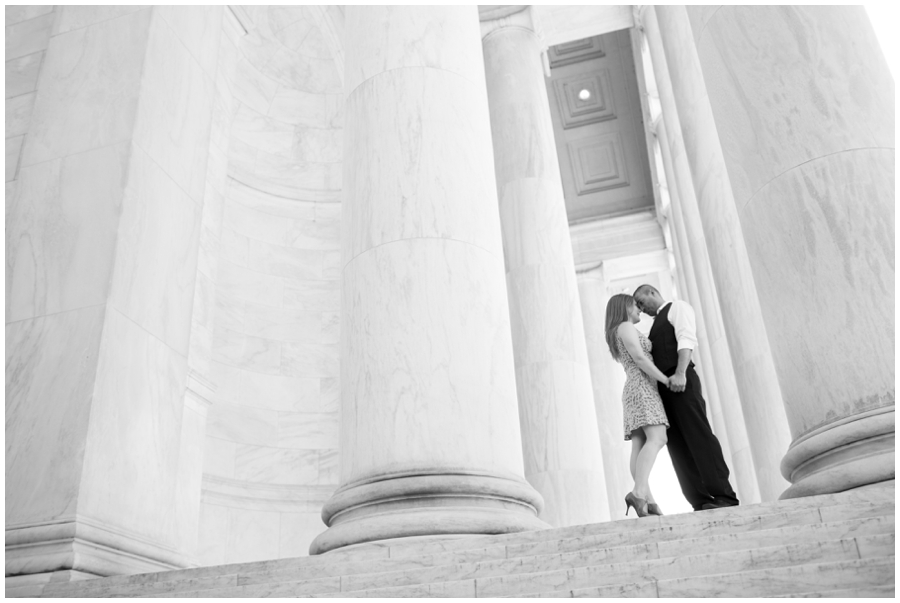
(640, 398)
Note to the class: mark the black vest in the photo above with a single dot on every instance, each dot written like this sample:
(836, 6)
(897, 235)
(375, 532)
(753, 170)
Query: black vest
(665, 345)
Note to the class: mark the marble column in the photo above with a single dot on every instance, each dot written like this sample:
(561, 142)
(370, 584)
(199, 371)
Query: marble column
(607, 380)
(708, 210)
(101, 258)
(802, 100)
(718, 376)
(563, 457)
(430, 442)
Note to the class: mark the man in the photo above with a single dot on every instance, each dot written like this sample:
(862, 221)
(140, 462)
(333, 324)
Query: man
(694, 449)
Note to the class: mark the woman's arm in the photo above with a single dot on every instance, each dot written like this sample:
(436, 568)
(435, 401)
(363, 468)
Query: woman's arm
(629, 337)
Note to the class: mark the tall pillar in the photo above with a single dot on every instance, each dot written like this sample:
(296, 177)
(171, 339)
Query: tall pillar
(607, 380)
(562, 446)
(430, 441)
(721, 390)
(708, 210)
(803, 103)
(101, 250)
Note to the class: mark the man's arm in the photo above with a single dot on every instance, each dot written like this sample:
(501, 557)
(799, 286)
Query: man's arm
(681, 315)
(678, 381)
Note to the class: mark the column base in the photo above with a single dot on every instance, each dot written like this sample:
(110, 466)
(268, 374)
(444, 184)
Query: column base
(408, 506)
(78, 548)
(850, 454)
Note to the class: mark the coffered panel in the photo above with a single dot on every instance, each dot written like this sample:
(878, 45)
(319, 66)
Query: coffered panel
(585, 98)
(579, 50)
(598, 125)
(598, 163)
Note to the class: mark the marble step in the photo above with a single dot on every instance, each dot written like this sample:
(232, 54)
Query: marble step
(633, 544)
(752, 517)
(876, 495)
(680, 567)
(829, 517)
(868, 592)
(713, 525)
(792, 581)
(458, 581)
(869, 578)
(617, 555)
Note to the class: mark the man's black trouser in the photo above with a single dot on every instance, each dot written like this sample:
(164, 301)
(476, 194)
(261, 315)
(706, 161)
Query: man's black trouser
(693, 447)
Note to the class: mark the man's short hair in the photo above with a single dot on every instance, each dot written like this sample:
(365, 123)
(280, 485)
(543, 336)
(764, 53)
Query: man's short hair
(645, 288)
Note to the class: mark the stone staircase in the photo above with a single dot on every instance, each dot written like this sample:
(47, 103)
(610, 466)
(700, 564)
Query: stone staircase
(839, 545)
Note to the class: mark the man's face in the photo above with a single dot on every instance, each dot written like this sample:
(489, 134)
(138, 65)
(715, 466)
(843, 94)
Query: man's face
(648, 302)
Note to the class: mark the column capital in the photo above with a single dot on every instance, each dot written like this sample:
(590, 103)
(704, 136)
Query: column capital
(500, 18)
(495, 18)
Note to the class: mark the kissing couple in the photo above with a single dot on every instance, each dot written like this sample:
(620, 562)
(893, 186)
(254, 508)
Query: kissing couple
(674, 415)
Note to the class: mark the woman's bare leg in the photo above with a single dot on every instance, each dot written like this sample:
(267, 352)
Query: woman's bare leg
(655, 439)
(637, 442)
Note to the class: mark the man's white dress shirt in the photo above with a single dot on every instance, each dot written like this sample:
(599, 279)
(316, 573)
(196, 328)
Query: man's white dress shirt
(681, 317)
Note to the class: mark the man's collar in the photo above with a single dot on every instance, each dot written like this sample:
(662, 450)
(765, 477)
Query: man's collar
(659, 309)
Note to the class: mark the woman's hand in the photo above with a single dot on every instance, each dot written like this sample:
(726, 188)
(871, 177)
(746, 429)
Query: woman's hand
(629, 336)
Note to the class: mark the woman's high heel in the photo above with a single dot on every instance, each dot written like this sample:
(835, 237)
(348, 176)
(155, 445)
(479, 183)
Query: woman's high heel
(654, 509)
(639, 505)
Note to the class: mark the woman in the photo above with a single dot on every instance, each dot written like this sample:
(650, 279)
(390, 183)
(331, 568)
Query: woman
(645, 418)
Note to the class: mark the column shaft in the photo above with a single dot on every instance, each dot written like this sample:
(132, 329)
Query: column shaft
(708, 208)
(721, 389)
(803, 103)
(562, 447)
(430, 441)
(607, 380)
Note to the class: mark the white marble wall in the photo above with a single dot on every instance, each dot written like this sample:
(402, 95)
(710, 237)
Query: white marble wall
(271, 456)
(102, 242)
(28, 30)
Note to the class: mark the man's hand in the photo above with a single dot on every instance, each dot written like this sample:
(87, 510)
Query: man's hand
(677, 382)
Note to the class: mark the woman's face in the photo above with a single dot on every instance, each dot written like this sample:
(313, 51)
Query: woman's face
(634, 315)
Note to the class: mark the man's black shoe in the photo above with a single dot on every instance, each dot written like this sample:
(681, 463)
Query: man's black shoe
(714, 505)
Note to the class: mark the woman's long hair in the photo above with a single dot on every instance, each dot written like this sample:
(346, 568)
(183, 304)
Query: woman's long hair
(616, 314)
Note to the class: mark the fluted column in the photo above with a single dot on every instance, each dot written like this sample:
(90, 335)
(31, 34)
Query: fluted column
(607, 380)
(718, 376)
(715, 236)
(562, 447)
(430, 440)
(803, 102)
(688, 293)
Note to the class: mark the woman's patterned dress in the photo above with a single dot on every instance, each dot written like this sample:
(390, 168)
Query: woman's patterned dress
(640, 398)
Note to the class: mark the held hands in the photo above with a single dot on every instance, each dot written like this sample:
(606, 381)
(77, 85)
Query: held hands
(677, 382)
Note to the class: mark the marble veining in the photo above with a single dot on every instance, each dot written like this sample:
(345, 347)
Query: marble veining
(28, 36)
(428, 199)
(821, 259)
(276, 465)
(61, 233)
(17, 14)
(22, 74)
(389, 386)
(89, 98)
(139, 437)
(48, 399)
(156, 253)
(450, 43)
(781, 76)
